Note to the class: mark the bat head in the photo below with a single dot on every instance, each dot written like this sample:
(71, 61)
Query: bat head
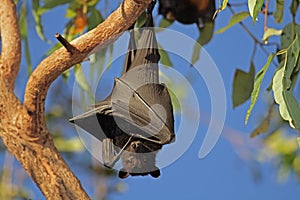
(139, 160)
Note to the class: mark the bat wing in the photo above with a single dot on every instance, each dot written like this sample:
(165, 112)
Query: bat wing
(138, 104)
(90, 120)
(130, 52)
(146, 111)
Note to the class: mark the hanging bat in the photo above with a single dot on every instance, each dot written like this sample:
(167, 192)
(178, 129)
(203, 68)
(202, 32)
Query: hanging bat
(136, 119)
(188, 11)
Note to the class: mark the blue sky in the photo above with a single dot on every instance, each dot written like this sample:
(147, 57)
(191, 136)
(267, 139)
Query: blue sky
(222, 174)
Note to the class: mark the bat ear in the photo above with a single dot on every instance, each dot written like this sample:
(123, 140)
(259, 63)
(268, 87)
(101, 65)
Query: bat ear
(123, 174)
(155, 174)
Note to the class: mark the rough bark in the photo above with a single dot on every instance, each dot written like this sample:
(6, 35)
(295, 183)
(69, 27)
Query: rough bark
(22, 126)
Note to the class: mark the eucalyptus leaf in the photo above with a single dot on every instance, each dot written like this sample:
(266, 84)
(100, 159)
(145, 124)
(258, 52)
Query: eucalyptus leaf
(288, 34)
(262, 127)
(37, 18)
(254, 7)
(94, 19)
(24, 36)
(141, 20)
(165, 23)
(82, 82)
(206, 34)
(68, 145)
(242, 85)
(283, 96)
(236, 18)
(294, 7)
(164, 57)
(66, 75)
(270, 32)
(278, 14)
(224, 4)
(222, 7)
(49, 4)
(257, 83)
(293, 108)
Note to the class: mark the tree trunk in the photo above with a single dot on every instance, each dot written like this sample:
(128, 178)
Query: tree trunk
(22, 125)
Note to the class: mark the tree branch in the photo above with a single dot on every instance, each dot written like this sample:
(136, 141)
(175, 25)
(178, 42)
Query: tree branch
(70, 48)
(23, 127)
(61, 60)
(39, 157)
(266, 15)
(11, 43)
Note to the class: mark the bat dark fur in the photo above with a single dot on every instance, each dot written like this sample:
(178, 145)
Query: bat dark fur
(188, 11)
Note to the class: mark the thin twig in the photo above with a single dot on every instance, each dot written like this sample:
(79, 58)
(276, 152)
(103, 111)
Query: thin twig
(266, 15)
(254, 51)
(238, 4)
(70, 48)
(256, 40)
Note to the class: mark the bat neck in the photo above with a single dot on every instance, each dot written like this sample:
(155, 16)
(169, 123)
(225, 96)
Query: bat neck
(148, 73)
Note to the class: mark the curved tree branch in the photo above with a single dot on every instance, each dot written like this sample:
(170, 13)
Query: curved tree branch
(11, 43)
(22, 127)
(61, 60)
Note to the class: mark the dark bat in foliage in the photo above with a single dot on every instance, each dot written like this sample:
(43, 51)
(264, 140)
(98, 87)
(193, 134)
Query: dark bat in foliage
(188, 11)
(136, 119)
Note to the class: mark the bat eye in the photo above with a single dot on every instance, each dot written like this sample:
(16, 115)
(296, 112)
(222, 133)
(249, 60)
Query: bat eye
(123, 174)
(134, 146)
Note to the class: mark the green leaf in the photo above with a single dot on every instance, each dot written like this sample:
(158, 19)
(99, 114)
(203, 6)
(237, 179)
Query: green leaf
(257, 83)
(296, 47)
(49, 4)
(242, 85)
(287, 108)
(110, 58)
(224, 4)
(262, 128)
(68, 145)
(175, 101)
(141, 20)
(70, 13)
(82, 82)
(66, 75)
(97, 63)
(92, 2)
(164, 57)
(294, 7)
(205, 36)
(289, 33)
(284, 80)
(236, 18)
(94, 19)
(254, 7)
(206, 33)
(270, 32)
(278, 14)
(37, 18)
(165, 23)
(293, 109)
(80, 78)
(24, 36)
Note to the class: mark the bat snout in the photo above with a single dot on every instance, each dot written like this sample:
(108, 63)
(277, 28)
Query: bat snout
(135, 145)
